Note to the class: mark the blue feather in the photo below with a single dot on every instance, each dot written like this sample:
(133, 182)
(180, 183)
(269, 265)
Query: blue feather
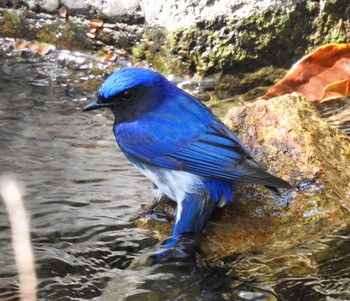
(193, 212)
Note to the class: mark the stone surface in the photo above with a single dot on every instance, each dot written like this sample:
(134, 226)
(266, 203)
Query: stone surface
(288, 137)
(194, 37)
(176, 14)
(173, 14)
(46, 5)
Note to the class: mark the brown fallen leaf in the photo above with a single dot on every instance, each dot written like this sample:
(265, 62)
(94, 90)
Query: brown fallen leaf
(41, 48)
(91, 35)
(44, 48)
(94, 28)
(96, 23)
(111, 56)
(33, 46)
(63, 12)
(319, 76)
(20, 44)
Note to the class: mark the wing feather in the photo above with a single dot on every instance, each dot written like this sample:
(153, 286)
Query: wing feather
(198, 143)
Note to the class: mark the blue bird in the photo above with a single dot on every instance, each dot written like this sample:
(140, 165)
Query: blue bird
(176, 141)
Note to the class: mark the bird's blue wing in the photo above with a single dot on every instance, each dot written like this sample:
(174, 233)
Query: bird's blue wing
(196, 142)
(214, 154)
(218, 153)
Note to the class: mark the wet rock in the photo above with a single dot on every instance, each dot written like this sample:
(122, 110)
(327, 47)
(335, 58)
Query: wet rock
(47, 5)
(173, 14)
(177, 14)
(288, 137)
(186, 37)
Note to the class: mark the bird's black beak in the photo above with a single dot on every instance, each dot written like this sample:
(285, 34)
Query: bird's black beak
(95, 105)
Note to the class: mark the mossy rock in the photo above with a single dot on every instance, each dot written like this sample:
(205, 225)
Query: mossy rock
(223, 45)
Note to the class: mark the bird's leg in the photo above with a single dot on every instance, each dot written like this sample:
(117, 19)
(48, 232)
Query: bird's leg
(150, 208)
(193, 213)
(159, 197)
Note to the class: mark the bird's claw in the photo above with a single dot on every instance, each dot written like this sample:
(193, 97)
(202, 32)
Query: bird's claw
(150, 211)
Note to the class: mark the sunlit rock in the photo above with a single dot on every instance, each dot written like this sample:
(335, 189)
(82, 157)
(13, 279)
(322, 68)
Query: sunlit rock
(186, 37)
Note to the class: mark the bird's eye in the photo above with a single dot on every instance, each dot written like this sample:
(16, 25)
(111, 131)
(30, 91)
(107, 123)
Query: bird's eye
(127, 95)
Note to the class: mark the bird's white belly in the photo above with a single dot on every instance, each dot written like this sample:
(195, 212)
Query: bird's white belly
(175, 184)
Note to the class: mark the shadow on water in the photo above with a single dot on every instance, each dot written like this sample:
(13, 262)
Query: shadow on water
(81, 196)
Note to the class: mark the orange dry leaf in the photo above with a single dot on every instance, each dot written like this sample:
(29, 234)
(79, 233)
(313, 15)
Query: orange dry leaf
(63, 12)
(41, 48)
(96, 23)
(91, 35)
(320, 76)
(33, 46)
(111, 56)
(20, 44)
(44, 48)
(94, 28)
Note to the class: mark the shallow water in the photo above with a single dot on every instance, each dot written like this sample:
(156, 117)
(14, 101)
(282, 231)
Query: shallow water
(80, 192)
(81, 195)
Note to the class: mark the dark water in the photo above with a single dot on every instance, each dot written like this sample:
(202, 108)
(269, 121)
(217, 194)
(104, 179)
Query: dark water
(79, 190)
(81, 195)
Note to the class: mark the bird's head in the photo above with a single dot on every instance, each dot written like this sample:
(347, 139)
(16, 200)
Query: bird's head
(131, 92)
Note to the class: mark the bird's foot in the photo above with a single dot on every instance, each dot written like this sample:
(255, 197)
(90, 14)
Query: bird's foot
(150, 210)
(179, 248)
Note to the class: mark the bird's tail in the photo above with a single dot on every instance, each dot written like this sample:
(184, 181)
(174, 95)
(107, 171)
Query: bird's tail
(251, 172)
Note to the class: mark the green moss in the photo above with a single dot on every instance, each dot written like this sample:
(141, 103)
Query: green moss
(138, 52)
(229, 46)
(48, 33)
(330, 30)
(10, 20)
(233, 45)
(14, 17)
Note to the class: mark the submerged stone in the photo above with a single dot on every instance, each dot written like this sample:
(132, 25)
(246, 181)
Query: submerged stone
(288, 137)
